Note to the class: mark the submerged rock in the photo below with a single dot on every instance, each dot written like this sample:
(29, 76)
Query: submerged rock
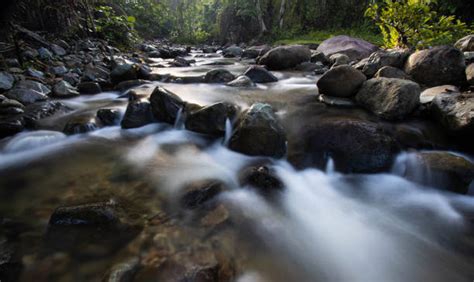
(137, 114)
(437, 66)
(354, 48)
(259, 133)
(211, 119)
(262, 178)
(166, 105)
(108, 117)
(80, 124)
(218, 76)
(260, 75)
(389, 98)
(198, 194)
(342, 81)
(285, 57)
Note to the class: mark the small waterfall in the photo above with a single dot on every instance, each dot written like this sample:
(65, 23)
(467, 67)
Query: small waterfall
(179, 122)
(228, 132)
(330, 167)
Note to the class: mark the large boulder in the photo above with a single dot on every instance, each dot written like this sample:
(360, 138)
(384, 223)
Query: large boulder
(26, 96)
(10, 126)
(137, 114)
(211, 119)
(380, 59)
(470, 74)
(33, 85)
(218, 76)
(437, 66)
(429, 94)
(124, 72)
(389, 98)
(354, 48)
(454, 111)
(166, 105)
(232, 51)
(6, 81)
(259, 133)
(465, 44)
(260, 75)
(285, 57)
(341, 81)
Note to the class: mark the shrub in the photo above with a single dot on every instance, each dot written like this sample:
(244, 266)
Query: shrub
(116, 29)
(413, 24)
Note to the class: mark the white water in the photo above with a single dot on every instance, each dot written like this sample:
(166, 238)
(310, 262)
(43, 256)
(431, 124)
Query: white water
(228, 132)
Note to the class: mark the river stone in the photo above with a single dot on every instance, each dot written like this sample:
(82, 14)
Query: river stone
(34, 73)
(124, 72)
(211, 119)
(232, 51)
(11, 126)
(89, 87)
(37, 111)
(125, 85)
(391, 72)
(255, 51)
(137, 114)
(80, 124)
(259, 133)
(241, 81)
(45, 54)
(437, 66)
(219, 76)
(355, 145)
(465, 44)
(58, 50)
(262, 178)
(9, 106)
(10, 259)
(354, 48)
(389, 98)
(33, 85)
(339, 60)
(95, 73)
(470, 74)
(6, 81)
(318, 56)
(260, 75)
(123, 272)
(59, 70)
(199, 193)
(108, 117)
(63, 89)
(455, 112)
(165, 105)
(380, 59)
(94, 229)
(26, 96)
(308, 67)
(342, 81)
(440, 169)
(429, 94)
(285, 57)
(336, 101)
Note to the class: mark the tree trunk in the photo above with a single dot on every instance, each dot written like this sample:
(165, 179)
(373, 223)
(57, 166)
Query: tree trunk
(263, 27)
(282, 13)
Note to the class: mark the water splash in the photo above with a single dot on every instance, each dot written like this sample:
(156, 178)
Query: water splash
(228, 132)
(179, 122)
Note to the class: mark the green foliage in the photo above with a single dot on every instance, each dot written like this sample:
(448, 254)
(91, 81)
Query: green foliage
(413, 23)
(116, 29)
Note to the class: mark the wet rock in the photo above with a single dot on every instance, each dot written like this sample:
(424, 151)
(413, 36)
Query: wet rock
(465, 44)
(123, 272)
(108, 117)
(94, 229)
(429, 94)
(318, 56)
(391, 72)
(63, 89)
(44, 54)
(262, 178)
(34, 73)
(33, 85)
(59, 70)
(232, 52)
(9, 106)
(339, 60)
(11, 126)
(285, 57)
(307, 66)
(137, 114)
(437, 66)
(241, 81)
(260, 75)
(6, 81)
(354, 48)
(219, 76)
(211, 119)
(125, 85)
(95, 73)
(198, 194)
(259, 133)
(470, 74)
(454, 111)
(10, 260)
(215, 217)
(89, 87)
(342, 81)
(124, 72)
(79, 125)
(180, 62)
(26, 96)
(336, 101)
(255, 51)
(36, 112)
(165, 105)
(58, 50)
(380, 59)
(389, 98)
(440, 169)
(355, 145)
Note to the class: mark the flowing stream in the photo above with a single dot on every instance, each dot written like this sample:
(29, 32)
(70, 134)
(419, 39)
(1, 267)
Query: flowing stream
(324, 226)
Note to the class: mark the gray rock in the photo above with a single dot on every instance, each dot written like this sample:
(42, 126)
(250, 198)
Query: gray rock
(389, 98)
(63, 89)
(34, 73)
(124, 72)
(354, 48)
(60, 70)
(219, 76)
(455, 112)
(307, 67)
(318, 56)
(437, 66)
(391, 72)
(79, 125)
(241, 81)
(138, 114)
(342, 81)
(58, 50)
(33, 85)
(380, 59)
(259, 133)
(211, 119)
(465, 44)
(6, 81)
(44, 54)
(429, 94)
(89, 87)
(166, 105)
(339, 59)
(232, 51)
(26, 96)
(285, 57)
(108, 117)
(260, 75)
(255, 51)
(470, 74)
